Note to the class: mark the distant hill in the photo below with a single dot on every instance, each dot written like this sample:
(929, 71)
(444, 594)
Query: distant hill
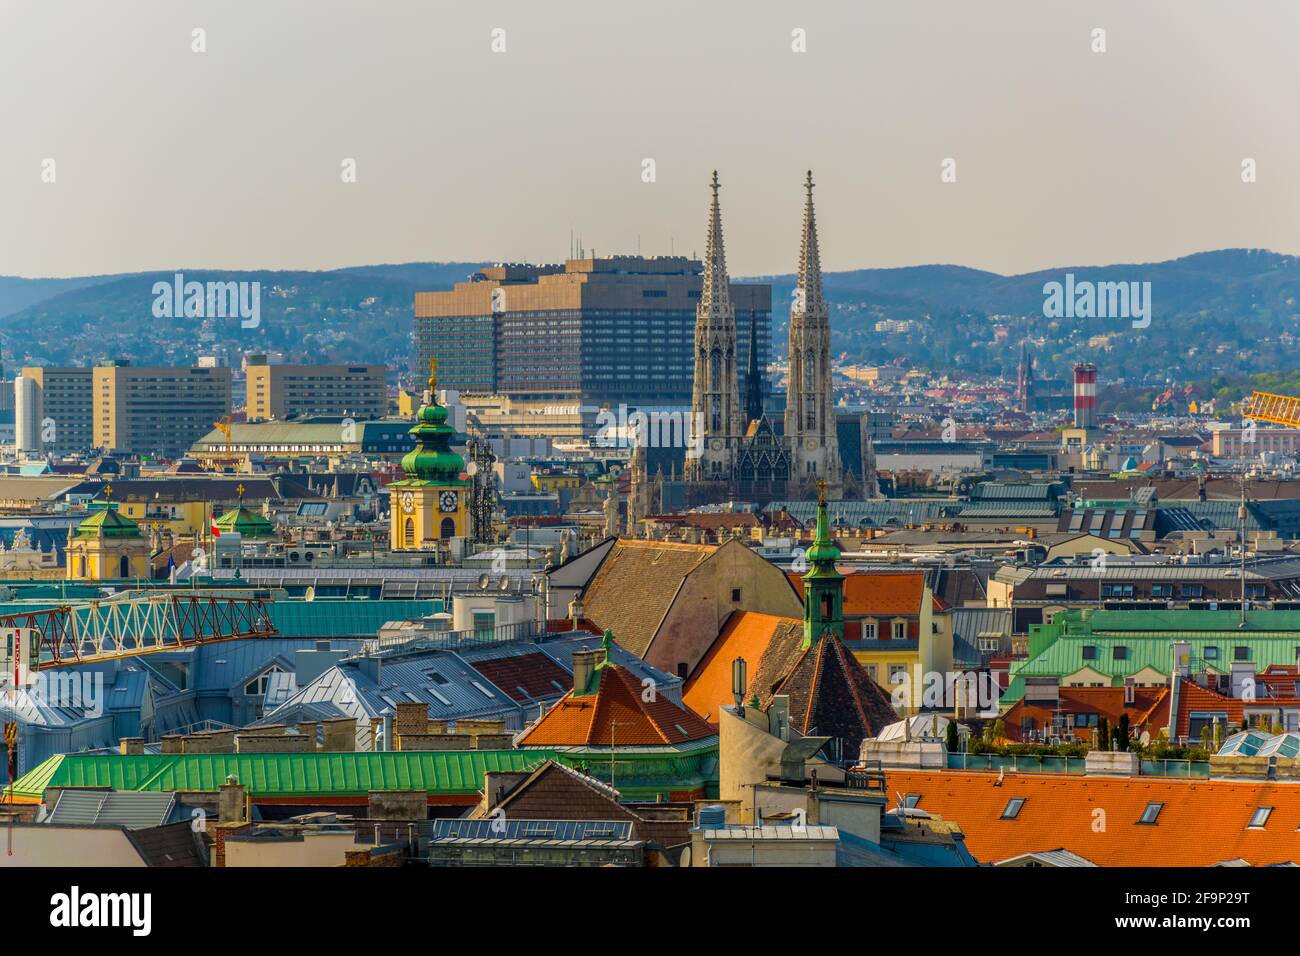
(343, 315)
(1218, 316)
(1230, 313)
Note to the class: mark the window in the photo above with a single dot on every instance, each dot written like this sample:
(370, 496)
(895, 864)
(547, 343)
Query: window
(735, 595)
(1162, 590)
(1211, 653)
(1259, 818)
(869, 631)
(1192, 590)
(1085, 720)
(682, 669)
(1241, 653)
(900, 630)
(1117, 590)
(1120, 652)
(897, 673)
(1090, 652)
(1012, 809)
(910, 800)
(257, 687)
(1150, 814)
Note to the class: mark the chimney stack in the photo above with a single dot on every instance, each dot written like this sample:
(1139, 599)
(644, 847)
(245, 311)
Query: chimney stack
(584, 665)
(1085, 395)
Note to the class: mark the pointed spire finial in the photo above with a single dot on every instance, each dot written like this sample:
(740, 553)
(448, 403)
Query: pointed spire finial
(808, 183)
(821, 493)
(714, 185)
(433, 374)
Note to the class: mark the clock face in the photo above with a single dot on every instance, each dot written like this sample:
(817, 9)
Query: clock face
(447, 501)
(408, 501)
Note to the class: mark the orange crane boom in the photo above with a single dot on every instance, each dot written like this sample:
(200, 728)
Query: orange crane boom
(1275, 409)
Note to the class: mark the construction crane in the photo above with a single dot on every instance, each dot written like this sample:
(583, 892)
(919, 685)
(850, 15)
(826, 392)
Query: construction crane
(137, 624)
(224, 426)
(1275, 409)
(126, 626)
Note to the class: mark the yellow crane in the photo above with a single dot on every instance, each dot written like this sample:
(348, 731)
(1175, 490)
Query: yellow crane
(223, 425)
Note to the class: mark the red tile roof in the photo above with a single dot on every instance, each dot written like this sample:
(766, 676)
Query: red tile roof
(525, 676)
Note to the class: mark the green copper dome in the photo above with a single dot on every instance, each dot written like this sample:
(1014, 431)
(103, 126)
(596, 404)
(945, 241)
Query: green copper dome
(432, 459)
(107, 523)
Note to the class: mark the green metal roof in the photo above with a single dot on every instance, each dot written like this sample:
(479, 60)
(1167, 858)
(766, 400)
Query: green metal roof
(1178, 621)
(280, 775)
(644, 773)
(1056, 649)
(345, 618)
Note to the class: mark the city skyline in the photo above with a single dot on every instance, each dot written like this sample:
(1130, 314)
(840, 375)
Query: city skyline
(1105, 157)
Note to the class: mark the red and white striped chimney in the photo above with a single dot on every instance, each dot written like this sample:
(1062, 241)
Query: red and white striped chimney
(1085, 395)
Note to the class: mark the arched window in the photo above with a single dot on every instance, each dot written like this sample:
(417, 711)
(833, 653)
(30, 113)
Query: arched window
(408, 533)
(448, 528)
(124, 567)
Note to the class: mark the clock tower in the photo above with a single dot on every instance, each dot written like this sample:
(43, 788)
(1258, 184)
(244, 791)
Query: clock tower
(429, 506)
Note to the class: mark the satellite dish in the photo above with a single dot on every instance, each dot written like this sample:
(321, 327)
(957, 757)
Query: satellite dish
(471, 469)
(483, 582)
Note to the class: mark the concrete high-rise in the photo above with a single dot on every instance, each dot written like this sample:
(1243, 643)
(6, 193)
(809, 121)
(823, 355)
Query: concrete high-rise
(594, 330)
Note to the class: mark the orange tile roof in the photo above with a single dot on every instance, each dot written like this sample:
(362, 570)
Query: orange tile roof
(877, 594)
(1202, 822)
(616, 713)
(746, 634)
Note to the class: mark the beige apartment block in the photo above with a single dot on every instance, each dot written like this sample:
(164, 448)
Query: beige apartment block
(288, 391)
(157, 411)
(53, 410)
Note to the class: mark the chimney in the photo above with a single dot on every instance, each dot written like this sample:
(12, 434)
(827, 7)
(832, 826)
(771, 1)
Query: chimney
(1085, 395)
(230, 801)
(132, 746)
(584, 665)
(575, 611)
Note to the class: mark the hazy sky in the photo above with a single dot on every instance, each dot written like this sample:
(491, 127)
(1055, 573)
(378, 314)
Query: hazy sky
(231, 158)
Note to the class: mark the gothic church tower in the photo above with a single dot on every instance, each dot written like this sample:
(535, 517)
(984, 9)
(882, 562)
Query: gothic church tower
(715, 402)
(809, 410)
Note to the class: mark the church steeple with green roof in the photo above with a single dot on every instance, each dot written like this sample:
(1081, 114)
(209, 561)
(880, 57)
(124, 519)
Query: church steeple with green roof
(429, 505)
(823, 585)
(432, 459)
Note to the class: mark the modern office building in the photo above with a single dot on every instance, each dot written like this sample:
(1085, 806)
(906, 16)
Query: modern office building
(292, 391)
(156, 411)
(614, 329)
(54, 410)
